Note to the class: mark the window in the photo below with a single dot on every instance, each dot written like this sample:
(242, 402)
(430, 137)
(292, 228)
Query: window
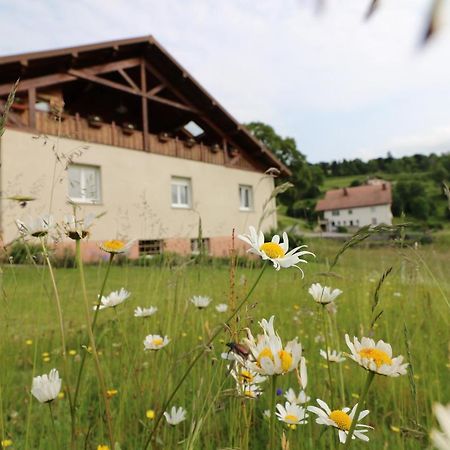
(150, 247)
(195, 248)
(335, 212)
(84, 183)
(246, 197)
(181, 192)
(374, 220)
(373, 208)
(194, 129)
(350, 211)
(351, 223)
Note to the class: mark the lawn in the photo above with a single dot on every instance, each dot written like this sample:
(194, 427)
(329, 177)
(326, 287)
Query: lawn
(414, 300)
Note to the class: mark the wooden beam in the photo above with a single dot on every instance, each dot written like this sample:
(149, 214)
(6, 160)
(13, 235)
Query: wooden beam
(166, 101)
(32, 107)
(156, 89)
(144, 106)
(37, 82)
(112, 66)
(128, 79)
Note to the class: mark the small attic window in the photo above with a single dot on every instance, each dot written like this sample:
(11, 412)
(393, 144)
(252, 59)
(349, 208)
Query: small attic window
(194, 129)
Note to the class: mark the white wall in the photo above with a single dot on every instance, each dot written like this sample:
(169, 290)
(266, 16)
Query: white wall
(359, 217)
(136, 190)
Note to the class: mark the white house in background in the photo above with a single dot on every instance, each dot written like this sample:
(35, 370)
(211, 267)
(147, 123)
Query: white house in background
(355, 207)
(121, 127)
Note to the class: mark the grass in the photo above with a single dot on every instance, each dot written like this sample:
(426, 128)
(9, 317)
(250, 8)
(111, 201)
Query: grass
(415, 295)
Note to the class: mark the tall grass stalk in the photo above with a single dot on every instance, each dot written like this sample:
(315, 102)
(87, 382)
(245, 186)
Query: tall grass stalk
(101, 379)
(328, 349)
(273, 394)
(199, 355)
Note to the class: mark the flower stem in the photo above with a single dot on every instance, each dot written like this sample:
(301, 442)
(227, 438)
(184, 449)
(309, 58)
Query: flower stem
(369, 379)
(273, 394)
(53, 424)
(328, 349)
(98, 368)
(199, 355)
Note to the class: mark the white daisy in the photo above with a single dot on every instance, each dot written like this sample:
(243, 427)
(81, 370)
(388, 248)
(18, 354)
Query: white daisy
(341, 419)
(269, 355)
(332, 356)
(442, 440)
(275, 251)
(251, 391)
(222, 307)
(243, 375)
(113, 299)
(145, 312)
(200, 301)
(116, 246)
(155, 342)
(77, 229)
(376, 357)
(291, 413)
(323, 294)
(295, 399)
(35, 226)
(46, 387)
(176, 415)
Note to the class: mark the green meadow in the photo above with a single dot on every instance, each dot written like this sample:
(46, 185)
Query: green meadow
(413, 301)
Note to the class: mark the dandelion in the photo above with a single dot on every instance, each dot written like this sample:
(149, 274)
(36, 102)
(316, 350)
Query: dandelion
(116, 246)
(102, 447)
(29, 342)
(61, 395)
(113, 299)
(72, 352)
(270, 357)
(150, 414)
(35, 226)
(176, 416)
(155, 342)
(77, 229)
(295, 399)
(441, 440)
(111, 393)
(323, 294)
(332, 356)
(200, 301)
(277, 253)
(376, 357)
(291, 414)
(46, 387)
(6, 443)
(145, 312)
(341, 419)
(222, 307)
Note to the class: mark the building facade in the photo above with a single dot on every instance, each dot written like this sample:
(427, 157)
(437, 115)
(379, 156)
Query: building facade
(123, 132)
(355, 207)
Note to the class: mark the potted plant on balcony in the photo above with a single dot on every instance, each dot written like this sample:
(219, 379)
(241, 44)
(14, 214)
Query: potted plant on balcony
(128, 128)
(95, 121)
(19, 104)
(163, 136)
(233, 152)
(189, 143)
(215, 148)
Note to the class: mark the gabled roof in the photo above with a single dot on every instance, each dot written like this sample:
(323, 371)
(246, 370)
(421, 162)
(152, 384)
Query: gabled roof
(356, 197)
(64, 62)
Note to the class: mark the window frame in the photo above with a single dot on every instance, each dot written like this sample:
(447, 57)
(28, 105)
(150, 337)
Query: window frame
(83, 186)
(251, 201)
(177, 181)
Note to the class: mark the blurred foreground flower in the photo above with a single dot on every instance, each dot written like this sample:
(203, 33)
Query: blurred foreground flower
(323, 294)
(113, 299)
(442, 440)
(275, 251)
(332, 356)
(77, 229)
(222, 307)
(6, 443)
(291, 414)
(155, 342)
(46, 387)
(145, 312)
(35, 226)
(176, 415)
(200, 301)
(150, 414)
(341, 419)
(376, 357)
(116, 246)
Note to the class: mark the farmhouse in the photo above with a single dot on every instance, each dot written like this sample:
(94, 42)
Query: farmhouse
(122, 128)
(354, 207)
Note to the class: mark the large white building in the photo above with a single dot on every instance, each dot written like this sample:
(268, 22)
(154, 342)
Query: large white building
(121, 127)
(355, 207)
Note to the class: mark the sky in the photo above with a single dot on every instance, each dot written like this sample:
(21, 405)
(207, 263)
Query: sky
(342, 86)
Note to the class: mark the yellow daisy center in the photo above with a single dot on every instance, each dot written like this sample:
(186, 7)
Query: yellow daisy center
(290, 418)
(114, 245)
(246, 376)
(341, 419)
(378, 356)
(265, 353)
(249, 393)
(157, 341)
(286, 360)
(272, 250)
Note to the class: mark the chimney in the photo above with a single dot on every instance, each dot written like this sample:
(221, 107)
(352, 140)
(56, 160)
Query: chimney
(345, 192)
